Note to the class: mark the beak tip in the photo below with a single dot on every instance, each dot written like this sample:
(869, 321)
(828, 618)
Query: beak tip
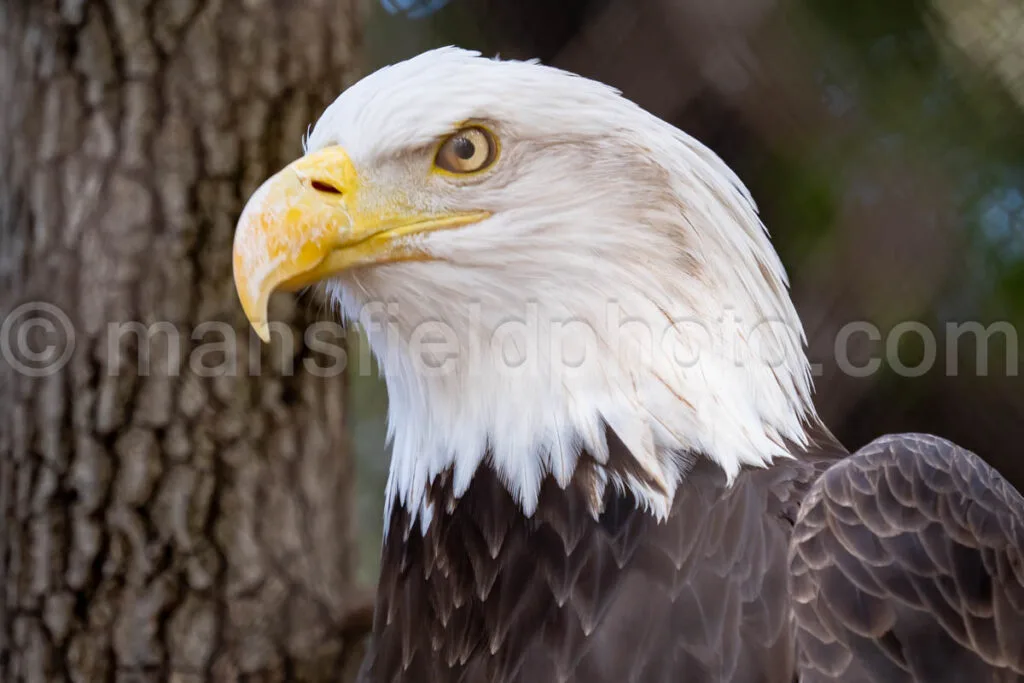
(256, 314)
(262, 331)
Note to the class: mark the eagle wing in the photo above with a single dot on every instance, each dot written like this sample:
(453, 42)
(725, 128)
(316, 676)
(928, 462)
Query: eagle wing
(905, 565)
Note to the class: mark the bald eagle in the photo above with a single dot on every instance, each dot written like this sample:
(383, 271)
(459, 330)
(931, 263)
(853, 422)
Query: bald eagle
(607, 465)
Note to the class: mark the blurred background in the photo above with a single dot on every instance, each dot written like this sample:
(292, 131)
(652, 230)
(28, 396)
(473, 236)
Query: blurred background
(165, 522)
(884, 144)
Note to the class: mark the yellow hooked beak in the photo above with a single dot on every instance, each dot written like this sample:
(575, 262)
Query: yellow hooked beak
(313, 220)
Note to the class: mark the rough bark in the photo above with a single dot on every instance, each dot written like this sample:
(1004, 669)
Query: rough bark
(162, 523)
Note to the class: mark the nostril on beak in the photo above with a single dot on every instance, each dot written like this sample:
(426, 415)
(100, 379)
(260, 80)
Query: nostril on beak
(324, 186)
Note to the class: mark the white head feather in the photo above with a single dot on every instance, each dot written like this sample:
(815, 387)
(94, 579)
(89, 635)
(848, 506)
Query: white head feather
(610, 228)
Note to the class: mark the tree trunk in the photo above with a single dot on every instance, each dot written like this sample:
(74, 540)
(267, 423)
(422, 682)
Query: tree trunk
(175, 497)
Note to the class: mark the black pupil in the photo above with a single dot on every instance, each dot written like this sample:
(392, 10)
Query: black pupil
(464, 148)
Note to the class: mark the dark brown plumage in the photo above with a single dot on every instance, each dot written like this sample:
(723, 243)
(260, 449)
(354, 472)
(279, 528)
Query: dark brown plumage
(490, 595)
(904, 566)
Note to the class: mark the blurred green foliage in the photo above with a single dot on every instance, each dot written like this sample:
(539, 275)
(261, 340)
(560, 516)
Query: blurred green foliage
(918, 91)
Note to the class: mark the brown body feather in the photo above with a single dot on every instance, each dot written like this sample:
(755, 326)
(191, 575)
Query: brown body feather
(489, 595)
(906, 567)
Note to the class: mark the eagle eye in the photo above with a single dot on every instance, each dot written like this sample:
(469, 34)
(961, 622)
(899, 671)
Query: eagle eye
(469, 150)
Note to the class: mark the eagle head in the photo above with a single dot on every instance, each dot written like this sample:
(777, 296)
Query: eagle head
(537, 263)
